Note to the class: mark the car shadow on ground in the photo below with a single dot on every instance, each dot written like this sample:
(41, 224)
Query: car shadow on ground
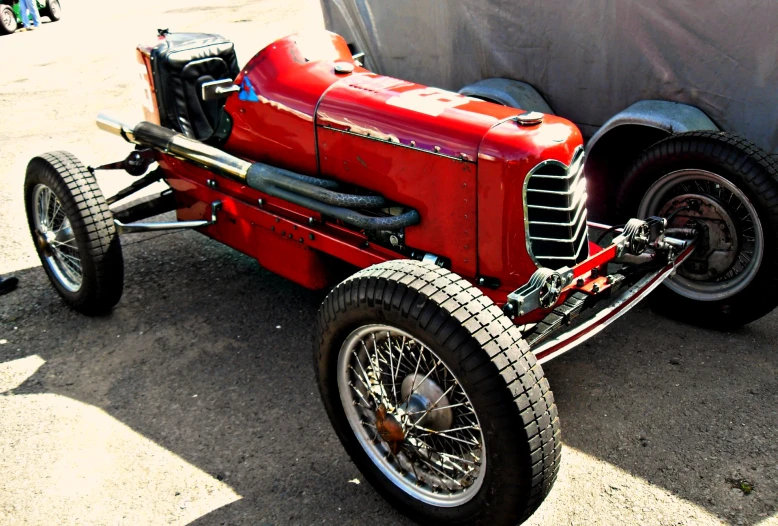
(210, 357)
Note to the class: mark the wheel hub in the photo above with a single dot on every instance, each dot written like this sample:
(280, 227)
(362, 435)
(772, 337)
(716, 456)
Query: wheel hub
(426, 405)
(717, 246)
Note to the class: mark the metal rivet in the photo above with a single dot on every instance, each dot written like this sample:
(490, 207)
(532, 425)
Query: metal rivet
(311, 236)
(211, 183)
(301, 240)
(294, 227)
(277, 220)
(261, 202)
(413, 143)
(437, 148)
(311, 221)
(580, 282)
(273, 229)
(595, 288)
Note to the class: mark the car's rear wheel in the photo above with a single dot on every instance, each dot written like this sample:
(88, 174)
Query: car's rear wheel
(436, 397)
(7, 20)
(728, 189)
(52, 10)
(74, 232)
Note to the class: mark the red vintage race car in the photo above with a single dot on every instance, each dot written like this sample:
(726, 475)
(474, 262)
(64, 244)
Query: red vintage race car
(460, 228)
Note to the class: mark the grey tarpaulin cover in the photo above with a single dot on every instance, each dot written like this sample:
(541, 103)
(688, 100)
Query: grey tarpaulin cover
(589, 59)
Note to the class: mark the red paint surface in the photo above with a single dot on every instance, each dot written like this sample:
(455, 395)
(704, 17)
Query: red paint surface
(459, 162)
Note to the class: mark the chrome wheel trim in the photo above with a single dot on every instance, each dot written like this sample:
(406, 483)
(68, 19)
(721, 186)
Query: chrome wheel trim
(56, 239)
(751, 248)
(427, 457)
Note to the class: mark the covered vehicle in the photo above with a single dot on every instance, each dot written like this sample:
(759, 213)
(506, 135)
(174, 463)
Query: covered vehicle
(451, 233)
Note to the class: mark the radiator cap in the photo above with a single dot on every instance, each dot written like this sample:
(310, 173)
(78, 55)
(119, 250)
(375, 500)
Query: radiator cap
(344, 67)
(529, 118)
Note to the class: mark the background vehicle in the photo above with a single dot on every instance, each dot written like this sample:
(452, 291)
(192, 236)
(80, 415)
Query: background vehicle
(464, 220)
(10, 16)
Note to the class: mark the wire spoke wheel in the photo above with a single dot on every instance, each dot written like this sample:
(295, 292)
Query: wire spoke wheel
(411, 415)
(436, 396)
(73, 231)
(56, 238)
(732, 240)
(726, 189)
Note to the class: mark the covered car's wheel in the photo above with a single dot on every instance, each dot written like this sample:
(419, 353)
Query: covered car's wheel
(52, 10)
(74, 232)
(436, 397)
(7, 20)
(727, 188)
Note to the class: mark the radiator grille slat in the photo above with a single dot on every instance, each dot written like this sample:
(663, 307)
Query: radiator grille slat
(555, 205)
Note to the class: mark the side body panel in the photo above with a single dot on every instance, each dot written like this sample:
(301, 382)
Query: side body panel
(304, 105)
(415, 145)
(273, 116)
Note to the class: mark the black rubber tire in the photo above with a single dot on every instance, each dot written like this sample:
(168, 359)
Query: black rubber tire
(92, 223)
(486, 353)
(8, 22)
(752, 171)
(53, 14)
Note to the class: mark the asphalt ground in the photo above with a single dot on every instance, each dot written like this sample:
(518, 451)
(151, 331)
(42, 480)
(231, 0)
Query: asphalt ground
(195, 401)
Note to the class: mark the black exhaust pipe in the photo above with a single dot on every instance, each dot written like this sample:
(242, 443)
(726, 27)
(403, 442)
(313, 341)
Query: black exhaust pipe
(309, 192)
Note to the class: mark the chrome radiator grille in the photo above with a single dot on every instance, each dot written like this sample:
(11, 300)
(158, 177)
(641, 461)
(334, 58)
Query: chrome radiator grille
(555, 213)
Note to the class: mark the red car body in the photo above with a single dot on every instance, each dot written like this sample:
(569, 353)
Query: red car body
(460, 162)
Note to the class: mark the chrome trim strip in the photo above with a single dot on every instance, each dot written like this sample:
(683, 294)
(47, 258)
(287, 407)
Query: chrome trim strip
(581, 210)
(408, 146)
(571, 207)
(581, 223)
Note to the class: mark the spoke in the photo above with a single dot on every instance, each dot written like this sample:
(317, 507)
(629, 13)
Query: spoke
(432, 432)
(399, 360)
(57, 209)
(435, 409)
(431, 465)
(449, 455)
(436, 402)
(376, 367)
(366, 381)
(391, 367)
(414, 386)
(74, 259)
(461, 428)
(64, 244)
(360, 393)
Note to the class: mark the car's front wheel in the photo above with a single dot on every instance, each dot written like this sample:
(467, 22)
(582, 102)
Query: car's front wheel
(436, 397)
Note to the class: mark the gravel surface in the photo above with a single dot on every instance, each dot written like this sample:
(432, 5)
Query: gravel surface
(195, 400)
